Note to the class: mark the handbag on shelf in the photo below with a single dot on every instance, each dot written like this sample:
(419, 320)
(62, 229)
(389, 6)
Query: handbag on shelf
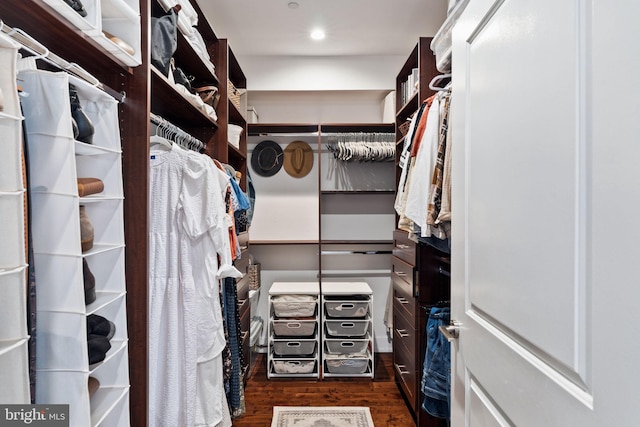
(209, 95)
(164, 39)
(182, 79)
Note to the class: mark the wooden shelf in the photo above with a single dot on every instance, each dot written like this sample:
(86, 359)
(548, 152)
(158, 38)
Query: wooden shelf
(44, 23)
(167, 102)
(266, 129)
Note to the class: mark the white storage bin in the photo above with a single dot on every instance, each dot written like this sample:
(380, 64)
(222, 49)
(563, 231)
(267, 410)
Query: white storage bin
(347, 328)
(294, 348)
(347, 308)
(12, 253)
(14, 376)
(13, 313)
(294, 305)
(90, 24)
(346, 346)
(347, 366)
(294, 328)
(233, 134)
(293, 366)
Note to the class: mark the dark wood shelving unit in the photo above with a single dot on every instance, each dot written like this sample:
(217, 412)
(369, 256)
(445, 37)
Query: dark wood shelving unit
(416, 271)
(145, 90)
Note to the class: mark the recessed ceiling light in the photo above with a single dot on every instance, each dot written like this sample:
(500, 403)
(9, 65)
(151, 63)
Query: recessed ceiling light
(317, 34)
(293, 5)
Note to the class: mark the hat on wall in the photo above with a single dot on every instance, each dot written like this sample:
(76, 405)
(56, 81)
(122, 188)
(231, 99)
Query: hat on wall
(266, 159)
(298, 159)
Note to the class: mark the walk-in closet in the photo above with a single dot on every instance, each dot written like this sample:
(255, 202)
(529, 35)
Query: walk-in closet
(417, 213)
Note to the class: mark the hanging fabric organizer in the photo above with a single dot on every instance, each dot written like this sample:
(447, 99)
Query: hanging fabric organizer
(56, 162)
(14, 367)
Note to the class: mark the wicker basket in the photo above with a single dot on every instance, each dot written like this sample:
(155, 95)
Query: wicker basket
(404, 127)
(254, 277)
(234, 94)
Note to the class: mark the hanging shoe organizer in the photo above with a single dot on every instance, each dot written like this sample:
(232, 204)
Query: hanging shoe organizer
(56, 161)
(14, 367)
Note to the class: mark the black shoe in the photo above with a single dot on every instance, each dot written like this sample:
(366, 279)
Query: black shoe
(77, 6)
(83, 122)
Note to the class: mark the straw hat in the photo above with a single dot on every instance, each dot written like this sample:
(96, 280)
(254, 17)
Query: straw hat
(298, 159)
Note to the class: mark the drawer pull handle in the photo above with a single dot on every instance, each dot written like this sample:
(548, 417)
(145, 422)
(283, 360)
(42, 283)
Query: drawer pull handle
(293, 344)
(402, 369)
(402, 246)
(348, 325)
(400, 273)
(402, 300)
(347, 306)
(347, 344)
(402, 332)
(294, 325)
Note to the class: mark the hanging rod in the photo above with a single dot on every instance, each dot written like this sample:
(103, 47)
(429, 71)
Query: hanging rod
(40, 51)
(190, 139)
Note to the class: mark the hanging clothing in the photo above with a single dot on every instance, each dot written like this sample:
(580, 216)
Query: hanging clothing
(435, 198)
(235, 390)
(187, 233)
(421, 173)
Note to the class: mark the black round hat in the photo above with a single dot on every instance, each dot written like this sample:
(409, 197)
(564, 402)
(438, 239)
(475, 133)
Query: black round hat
(267, 158)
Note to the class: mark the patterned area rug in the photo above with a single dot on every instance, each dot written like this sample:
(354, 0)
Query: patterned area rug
(321, 416)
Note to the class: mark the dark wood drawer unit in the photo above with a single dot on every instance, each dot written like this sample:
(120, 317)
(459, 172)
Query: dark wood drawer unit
(420, 275)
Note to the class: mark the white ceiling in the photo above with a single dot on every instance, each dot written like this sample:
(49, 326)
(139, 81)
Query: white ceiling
(352, 27)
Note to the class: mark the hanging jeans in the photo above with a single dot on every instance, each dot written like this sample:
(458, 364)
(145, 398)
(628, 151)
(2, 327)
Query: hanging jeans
(436, 370)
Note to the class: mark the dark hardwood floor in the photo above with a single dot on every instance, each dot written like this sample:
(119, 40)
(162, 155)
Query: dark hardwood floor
(381, 395)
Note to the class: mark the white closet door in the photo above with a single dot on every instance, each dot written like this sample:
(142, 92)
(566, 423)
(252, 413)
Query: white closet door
(545, 229)
(14, 366)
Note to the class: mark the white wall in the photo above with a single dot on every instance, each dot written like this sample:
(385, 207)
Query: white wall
(314, 73)
(318, 106)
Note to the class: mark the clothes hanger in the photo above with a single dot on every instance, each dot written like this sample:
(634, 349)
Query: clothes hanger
(159, 140)
(438, 79)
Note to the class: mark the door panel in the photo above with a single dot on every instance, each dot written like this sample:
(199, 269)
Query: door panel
(516, 253)
(545, 175)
